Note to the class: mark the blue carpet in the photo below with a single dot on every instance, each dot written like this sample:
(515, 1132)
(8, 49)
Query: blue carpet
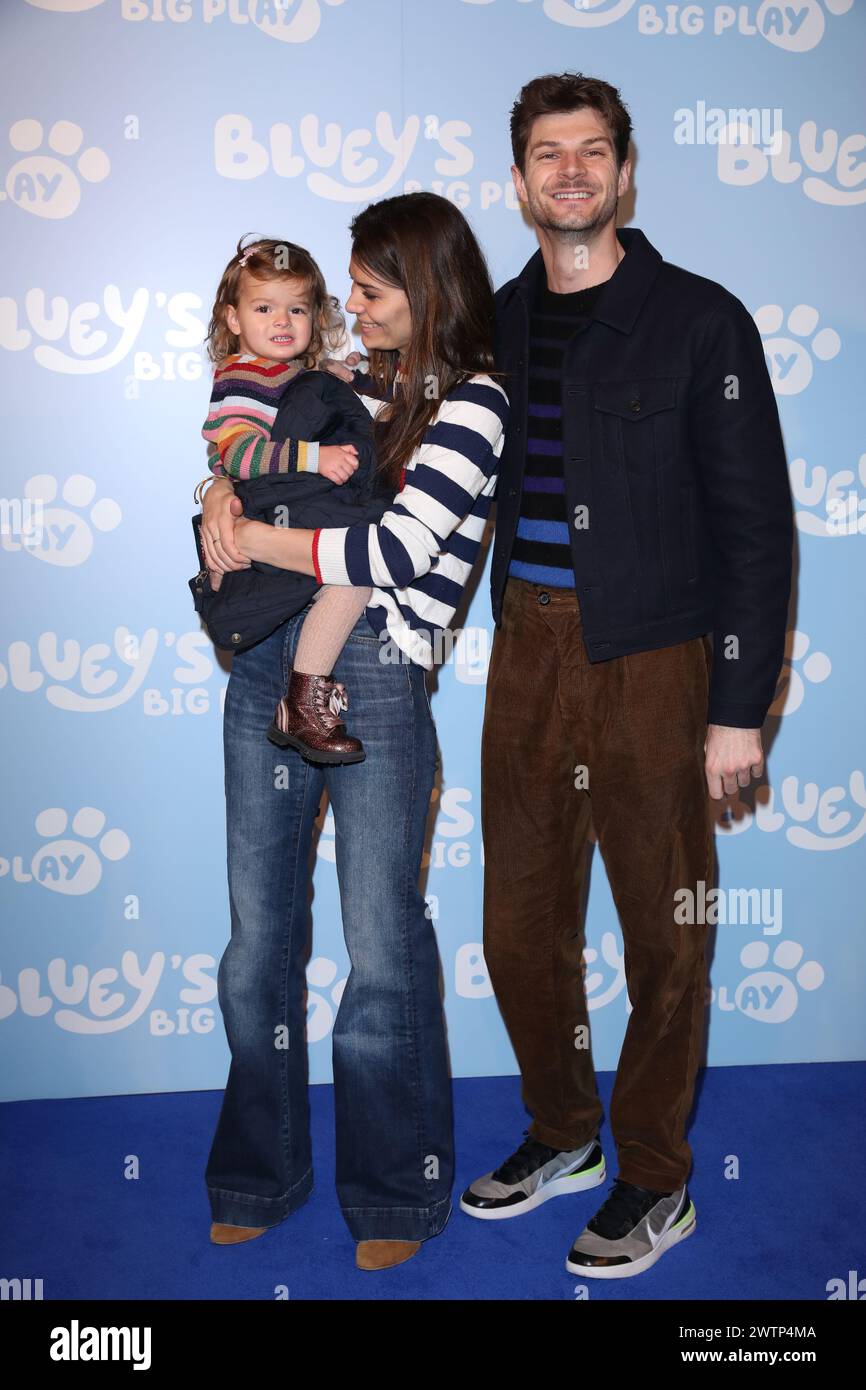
(779, 1231)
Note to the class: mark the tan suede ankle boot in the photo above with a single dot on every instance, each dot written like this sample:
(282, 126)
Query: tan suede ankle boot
(384, 1254)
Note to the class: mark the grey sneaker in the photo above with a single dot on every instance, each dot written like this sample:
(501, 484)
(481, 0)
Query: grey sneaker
(630, 1231)
(532, 1175)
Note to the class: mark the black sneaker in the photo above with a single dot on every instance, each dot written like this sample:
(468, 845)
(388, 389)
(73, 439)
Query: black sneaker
(532, 1175)
(631, 1230)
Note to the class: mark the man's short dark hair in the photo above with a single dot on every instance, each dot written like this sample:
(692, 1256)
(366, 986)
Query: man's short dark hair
(568, 91)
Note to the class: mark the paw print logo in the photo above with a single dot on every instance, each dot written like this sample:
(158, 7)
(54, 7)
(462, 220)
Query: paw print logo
(815, 668)
(322, 973)
(767, 995)
(775, 23)
(47, 184)
(72, 866)
(66, 537)
(789, 361)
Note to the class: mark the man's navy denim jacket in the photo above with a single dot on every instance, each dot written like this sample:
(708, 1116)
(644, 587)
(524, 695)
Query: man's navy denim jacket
(671, 439)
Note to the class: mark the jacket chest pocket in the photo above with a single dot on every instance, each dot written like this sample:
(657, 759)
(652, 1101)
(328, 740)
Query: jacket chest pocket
(636, 420)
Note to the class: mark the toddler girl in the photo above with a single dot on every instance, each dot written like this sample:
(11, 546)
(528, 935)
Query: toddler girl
(273, 320)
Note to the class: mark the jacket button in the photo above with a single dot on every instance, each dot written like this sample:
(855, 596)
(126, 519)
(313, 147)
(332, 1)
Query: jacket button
(512, 492)
(544, 597)
(236, 637)
(634, 405)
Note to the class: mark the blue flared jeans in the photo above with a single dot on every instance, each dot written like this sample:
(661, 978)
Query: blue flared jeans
(392, 1088)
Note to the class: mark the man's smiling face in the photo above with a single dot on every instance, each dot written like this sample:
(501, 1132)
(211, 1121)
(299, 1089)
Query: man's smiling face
(571, 183)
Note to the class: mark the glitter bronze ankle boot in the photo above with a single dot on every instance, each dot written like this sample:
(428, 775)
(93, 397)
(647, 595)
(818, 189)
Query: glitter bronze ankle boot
(308, 718)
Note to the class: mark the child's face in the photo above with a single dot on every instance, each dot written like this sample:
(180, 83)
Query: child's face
(273, 318)
(383, 313)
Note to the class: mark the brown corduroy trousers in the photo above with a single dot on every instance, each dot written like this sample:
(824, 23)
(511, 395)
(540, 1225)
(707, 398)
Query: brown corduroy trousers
(637, 724)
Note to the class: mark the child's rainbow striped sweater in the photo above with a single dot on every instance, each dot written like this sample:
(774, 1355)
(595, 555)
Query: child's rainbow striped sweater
(243, 406)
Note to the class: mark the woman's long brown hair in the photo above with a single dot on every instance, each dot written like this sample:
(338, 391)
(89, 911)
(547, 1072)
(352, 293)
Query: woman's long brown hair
(422, 243)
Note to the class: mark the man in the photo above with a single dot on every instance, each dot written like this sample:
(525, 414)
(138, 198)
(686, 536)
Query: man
(643, 503)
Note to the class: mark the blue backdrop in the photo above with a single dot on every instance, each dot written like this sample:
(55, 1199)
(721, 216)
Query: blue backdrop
(142, 138)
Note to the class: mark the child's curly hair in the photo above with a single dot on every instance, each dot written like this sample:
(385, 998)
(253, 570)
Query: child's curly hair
(269, 259)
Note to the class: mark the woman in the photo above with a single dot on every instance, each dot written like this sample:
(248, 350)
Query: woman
(422, 294)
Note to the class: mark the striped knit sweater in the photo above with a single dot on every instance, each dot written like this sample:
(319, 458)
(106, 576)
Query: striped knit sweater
(420, 555)
(542, 549)
(243, 406)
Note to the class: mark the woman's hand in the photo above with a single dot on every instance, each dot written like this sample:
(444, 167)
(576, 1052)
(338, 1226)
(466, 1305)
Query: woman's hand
(221, 509)
(255, 540)
(343, 368)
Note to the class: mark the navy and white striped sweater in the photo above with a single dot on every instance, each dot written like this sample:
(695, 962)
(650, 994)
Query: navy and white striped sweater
(420, 555)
